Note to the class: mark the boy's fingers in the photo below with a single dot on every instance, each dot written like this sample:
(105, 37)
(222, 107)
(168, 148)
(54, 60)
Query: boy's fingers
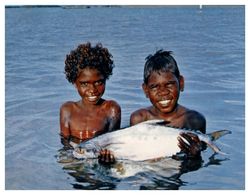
(112, 158)
(186, 137)
(102, 151)
(193, 147)
(191, 138)
(108, 152)
(195, 138)
(182, 145)
(106, 157)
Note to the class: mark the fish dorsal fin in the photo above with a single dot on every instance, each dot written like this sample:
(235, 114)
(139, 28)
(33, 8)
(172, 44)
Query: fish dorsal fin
(153, 121)
(156, 122)
(217, 134)
(163, 122)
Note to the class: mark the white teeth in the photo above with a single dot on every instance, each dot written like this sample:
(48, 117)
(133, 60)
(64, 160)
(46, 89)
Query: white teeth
(164, 102)
(92, 98)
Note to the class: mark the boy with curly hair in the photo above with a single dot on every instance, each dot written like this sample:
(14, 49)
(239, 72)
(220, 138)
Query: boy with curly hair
(88, 68)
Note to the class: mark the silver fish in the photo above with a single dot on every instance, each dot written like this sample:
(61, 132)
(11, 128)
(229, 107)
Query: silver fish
(144, 141)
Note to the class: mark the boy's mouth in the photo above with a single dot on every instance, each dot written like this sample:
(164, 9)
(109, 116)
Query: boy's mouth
(164, 103)
(92, 98)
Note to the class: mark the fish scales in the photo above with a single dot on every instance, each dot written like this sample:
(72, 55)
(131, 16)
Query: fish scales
(144, 141)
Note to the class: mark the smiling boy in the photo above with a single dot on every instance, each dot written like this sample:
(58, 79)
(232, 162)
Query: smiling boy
(162, 85)
(88, 68)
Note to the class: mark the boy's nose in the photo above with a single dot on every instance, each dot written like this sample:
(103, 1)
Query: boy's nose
(164, 91)
(92, 88)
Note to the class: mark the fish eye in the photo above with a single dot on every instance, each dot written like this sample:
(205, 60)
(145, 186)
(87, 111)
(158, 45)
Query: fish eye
(88, 150)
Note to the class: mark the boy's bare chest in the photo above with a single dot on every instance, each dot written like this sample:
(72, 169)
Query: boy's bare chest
(89, 117)
(87, 128)
(175, 120)
(87, 123)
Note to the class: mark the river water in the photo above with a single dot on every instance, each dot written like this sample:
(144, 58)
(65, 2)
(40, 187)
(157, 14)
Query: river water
(209, 46)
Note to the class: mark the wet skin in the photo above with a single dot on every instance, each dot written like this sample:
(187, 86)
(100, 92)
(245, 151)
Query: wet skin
(92, 115)
(163, 90)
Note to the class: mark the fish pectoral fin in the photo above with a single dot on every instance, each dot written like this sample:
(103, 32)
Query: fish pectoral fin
(111, 143)
(73, 144)
(153, 160)
(217, 134)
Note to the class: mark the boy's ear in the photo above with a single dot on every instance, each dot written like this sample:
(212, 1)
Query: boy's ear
(144, 86)
(181, 82)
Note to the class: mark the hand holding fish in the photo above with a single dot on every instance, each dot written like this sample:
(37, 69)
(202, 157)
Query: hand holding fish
(190, 144)
(106, 157)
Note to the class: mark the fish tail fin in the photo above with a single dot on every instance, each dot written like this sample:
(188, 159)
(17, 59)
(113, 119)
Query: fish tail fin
(215, 148)
(217, 134)
(214, 136)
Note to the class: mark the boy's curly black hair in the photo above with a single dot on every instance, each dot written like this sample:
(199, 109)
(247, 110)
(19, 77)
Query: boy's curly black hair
(160, 61)
(87, 56)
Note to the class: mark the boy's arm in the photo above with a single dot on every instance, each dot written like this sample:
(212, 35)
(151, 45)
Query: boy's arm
(114, 117)
(64, 121)
(195, 121)
(106, 157)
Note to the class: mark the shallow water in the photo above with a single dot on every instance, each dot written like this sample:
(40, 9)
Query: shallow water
(208, 45)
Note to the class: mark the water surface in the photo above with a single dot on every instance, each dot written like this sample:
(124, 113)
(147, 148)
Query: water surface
(208, 45)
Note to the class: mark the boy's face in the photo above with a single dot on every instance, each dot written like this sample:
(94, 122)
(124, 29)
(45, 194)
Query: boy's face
(90, 85)
(163, 89)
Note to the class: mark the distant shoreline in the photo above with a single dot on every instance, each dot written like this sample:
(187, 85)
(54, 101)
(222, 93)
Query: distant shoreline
(59, 6)
(114, 6)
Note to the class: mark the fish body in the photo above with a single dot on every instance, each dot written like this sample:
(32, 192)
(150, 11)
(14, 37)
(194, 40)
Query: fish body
(144, 141)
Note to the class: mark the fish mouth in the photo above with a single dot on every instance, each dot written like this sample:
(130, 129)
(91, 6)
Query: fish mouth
(78, 153)
(164, 103)
(79, 150)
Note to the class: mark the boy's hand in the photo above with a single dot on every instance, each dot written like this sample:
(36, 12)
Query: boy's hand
(194, 149)
(106, 157)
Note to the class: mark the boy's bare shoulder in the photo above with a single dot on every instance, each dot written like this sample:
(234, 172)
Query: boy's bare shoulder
(67, 105)
(111, 103)
(112, 106)
(140, 112)
(196, 120)
(139, 116)
(195, 115)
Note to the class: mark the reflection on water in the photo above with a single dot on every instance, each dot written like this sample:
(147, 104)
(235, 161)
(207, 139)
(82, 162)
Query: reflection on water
(163, 174)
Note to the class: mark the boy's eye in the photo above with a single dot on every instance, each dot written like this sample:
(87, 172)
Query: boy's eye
(153, 87)
(84, 84)
(171, 84)
(100, 82)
